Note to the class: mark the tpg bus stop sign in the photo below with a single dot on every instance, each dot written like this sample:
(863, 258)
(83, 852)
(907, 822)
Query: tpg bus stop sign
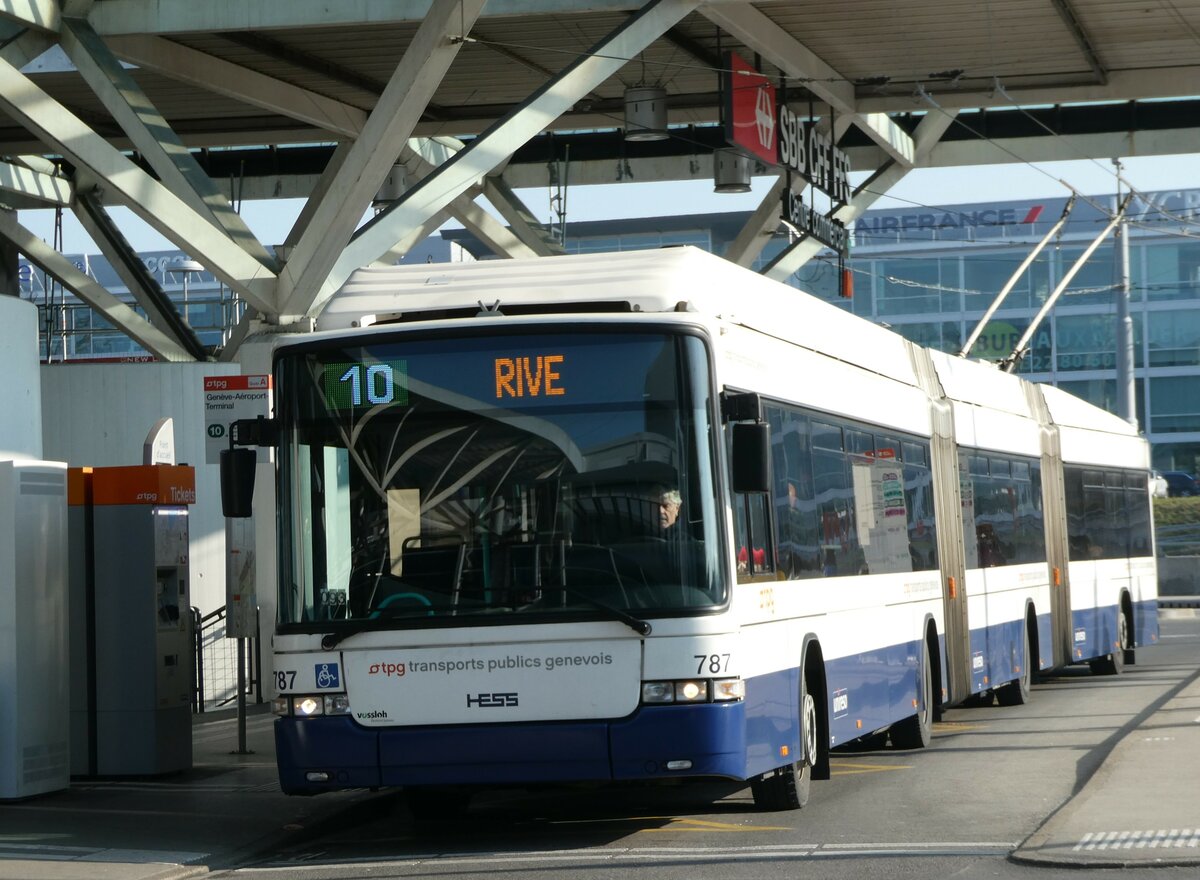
(227, 399)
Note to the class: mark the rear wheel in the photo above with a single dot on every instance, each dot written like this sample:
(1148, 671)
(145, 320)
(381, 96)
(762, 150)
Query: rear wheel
(1017, 691)
(915, 731)
(787, 787)
(1114, 663)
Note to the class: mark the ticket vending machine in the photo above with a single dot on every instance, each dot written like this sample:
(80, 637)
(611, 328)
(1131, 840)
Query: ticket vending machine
(131, 656)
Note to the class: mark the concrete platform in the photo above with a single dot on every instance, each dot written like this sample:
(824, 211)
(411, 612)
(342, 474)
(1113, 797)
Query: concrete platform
(1142, 807)
(217, 815)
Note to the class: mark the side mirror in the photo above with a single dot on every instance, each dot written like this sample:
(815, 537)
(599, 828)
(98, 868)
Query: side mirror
(237, 482)
(751, 457)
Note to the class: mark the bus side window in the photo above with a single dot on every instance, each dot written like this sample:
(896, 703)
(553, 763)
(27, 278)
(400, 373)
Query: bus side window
(755, 553)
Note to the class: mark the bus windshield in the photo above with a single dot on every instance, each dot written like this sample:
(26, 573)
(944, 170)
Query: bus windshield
(435, 480)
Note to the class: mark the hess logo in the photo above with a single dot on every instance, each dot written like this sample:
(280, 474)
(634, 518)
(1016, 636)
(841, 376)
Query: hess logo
(491, 701)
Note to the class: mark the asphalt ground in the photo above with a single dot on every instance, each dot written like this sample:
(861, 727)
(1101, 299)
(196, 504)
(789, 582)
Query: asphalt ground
(1140, 808)
(217, 815)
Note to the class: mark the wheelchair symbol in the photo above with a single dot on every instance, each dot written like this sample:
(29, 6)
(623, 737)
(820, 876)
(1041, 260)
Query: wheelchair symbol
(327, 675)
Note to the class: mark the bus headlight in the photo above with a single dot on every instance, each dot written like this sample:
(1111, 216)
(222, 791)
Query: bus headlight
(310, 706)
(693, 690)
(306, 707)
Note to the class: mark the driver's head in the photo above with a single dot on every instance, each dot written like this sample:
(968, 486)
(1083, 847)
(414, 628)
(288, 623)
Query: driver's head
(669, 501)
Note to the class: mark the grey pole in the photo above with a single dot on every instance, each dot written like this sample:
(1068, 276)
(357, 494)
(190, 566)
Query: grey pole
(1126, 390)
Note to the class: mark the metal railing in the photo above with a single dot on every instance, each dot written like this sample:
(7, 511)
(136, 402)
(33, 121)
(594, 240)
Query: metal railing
(216, 662)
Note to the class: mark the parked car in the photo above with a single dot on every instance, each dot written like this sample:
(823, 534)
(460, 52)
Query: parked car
(1180, 484)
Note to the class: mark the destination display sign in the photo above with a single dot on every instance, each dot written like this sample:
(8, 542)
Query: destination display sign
(521, 372)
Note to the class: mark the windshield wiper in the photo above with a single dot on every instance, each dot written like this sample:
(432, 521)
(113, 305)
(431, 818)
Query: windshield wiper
(639, 626)
(329, 641)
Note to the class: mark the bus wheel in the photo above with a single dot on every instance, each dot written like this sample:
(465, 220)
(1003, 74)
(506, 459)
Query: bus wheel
(787, 787)
(1114, 663)
(1016, 692)
(915, 731)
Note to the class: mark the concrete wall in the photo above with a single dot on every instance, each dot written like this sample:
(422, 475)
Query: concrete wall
(20, 402)
(99, 415)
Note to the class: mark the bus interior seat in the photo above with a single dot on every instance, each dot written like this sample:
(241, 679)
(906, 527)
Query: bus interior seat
(426, 570)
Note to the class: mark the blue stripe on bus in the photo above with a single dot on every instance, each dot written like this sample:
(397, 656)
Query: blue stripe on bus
(710, 735)
(733, 740)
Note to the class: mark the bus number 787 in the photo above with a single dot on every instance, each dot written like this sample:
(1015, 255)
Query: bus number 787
(711, 663)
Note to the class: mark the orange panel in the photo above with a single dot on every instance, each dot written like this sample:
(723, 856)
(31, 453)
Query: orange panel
(156, 484)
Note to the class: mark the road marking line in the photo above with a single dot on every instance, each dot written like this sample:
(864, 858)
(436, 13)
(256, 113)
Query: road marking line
(854, 768)
(51, 853)
(625, 854)
(1168, 838)
(704, 825)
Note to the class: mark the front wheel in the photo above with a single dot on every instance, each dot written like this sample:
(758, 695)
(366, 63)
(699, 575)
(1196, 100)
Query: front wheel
(787, 787)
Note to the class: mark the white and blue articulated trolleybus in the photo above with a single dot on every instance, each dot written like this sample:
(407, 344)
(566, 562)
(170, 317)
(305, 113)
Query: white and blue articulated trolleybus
(649, 515)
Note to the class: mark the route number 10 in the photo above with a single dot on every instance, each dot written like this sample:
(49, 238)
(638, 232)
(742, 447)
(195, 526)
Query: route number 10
(379, 385)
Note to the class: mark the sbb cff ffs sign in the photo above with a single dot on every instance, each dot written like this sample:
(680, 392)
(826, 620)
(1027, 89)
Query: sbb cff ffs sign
(761, 126)
(750, 111)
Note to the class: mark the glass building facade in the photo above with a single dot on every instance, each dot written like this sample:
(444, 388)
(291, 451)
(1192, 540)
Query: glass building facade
(931, 274)
(928, 273)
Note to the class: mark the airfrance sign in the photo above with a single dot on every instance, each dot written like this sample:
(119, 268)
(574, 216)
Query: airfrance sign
(1165, 209)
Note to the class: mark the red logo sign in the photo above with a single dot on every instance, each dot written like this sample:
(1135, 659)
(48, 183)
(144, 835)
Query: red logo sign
(750, 116)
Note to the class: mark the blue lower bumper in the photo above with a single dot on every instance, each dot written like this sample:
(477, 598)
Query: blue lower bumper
(710, 736)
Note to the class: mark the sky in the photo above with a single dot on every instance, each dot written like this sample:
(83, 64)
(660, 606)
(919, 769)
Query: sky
(271, 220)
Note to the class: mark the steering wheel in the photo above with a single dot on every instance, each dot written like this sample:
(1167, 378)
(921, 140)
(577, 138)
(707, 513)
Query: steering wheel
(395, 597)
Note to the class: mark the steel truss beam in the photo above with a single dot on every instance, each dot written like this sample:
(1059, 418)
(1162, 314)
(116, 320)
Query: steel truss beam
(495, 145)
(187, 16)
(522, 221)
(423, 156)
(159, 308)
(152, 136)
(39, 188)
(43, 15)
(366, 166)
(61, 130)
(221, 77)
(89, 291)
